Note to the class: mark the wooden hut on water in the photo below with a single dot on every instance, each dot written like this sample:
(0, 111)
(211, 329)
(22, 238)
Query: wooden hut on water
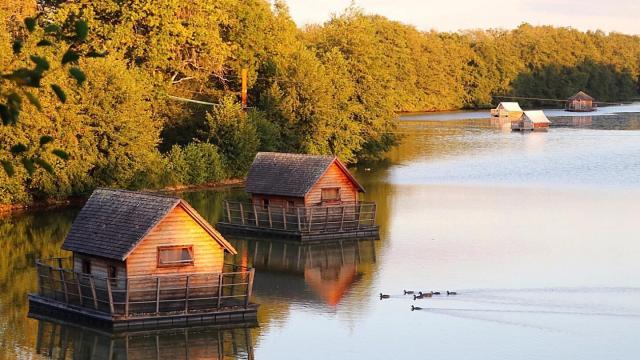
(510, 110)
(301, 196)
(141, 258)
(580, 102)
(533, 120)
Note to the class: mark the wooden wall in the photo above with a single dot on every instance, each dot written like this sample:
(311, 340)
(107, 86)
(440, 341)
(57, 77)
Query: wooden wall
(334, 177)
(275, 200)
(178, 228)
(99, 266)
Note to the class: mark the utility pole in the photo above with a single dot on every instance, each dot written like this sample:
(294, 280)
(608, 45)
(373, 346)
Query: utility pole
(245, 75)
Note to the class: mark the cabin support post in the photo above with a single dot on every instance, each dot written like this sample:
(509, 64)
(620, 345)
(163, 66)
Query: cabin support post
(63, 280)
(249, 287)
(227, 207)
(284, 218)
(299, 224)
(342, 218)
(310, 218)
(220, 285)
(326, 218)
(269, 214)
(255, 215)
(110, 295)
(242, 213)
(157, 295)
(126, 298)
(93, 292)
(75, 275)
(186, 294)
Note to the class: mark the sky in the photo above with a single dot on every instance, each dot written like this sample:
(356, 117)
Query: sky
(451, 15)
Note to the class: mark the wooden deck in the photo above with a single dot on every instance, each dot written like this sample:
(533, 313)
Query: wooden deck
(306, 224)
(148, 301)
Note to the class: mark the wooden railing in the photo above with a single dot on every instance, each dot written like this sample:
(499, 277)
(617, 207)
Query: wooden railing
(145, 295)
(310, 219)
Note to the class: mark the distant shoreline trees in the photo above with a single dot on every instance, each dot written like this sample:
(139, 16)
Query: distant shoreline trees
(332, 88)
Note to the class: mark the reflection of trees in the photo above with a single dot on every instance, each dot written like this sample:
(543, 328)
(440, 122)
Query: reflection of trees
(24, 239)
(57, 340)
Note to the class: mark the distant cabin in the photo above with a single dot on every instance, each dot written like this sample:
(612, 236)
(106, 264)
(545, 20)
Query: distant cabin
(123, 234)
(533, 120)
(580, 102)
(299, 180)
(511, 110)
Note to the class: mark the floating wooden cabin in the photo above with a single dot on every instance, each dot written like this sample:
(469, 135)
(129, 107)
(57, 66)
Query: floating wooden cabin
(143, 259)
(510, 110)
(533, 120)
(580, 102)
(306, 197)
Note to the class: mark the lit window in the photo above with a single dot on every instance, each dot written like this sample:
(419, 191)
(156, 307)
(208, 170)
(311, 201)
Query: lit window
(330, 194)
(175, 255)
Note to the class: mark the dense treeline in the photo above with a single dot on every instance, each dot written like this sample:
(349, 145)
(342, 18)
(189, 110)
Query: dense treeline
(329, 89)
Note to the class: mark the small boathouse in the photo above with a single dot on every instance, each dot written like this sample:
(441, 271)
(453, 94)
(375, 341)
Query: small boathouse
(510, 110)
(141, 259)
(305, 197)
(532, 120)
(580, 102)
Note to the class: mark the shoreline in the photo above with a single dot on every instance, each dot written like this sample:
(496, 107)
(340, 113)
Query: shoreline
(52, 204)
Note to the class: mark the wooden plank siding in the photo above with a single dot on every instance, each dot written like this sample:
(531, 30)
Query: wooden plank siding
(177, 228)
(100, 266)
(274, 200)
(334, 177)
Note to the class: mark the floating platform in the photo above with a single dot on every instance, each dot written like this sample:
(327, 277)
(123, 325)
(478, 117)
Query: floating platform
(304, 224)
(143, 302)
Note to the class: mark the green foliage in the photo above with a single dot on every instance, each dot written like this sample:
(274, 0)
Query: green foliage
(196, 163)
(234, 135)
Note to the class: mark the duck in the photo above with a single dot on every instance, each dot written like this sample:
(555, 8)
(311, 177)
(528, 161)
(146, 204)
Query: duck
(435, 292)
(451, 293)
(426, 294)
(384, 296)
(413, 308)
(419, 296)
(408, 292)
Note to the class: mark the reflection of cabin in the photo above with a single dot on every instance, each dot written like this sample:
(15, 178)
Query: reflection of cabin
(136, 254)
(534, 120)
(62, 340)
(509, 110)
(580, 102)
(290, 269)
(303, 196)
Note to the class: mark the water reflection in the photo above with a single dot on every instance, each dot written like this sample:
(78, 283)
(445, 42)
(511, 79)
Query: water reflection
(60, 340)
(322, 272)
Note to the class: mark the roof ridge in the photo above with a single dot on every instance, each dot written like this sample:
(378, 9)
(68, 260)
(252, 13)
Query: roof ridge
(141, 192)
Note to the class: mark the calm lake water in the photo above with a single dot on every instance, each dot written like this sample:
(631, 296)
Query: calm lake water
(538, 233)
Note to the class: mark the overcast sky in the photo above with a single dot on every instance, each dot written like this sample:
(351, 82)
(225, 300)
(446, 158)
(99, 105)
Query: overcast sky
(449, 15)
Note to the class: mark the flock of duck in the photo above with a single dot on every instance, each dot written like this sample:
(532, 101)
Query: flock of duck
(419, 295)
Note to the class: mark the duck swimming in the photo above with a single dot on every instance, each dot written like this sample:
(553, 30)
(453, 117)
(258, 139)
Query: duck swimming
(426, 294)
(408, 292)
(413, 308)
(451, 293)
(384, 296)
(435, 292)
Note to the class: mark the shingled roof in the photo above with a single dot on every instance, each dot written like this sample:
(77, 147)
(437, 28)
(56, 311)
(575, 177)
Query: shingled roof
(581, 95)
(113, 222)
(290, 174)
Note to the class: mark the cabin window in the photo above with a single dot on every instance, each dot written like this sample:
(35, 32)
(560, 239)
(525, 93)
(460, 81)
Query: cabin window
(291, 204)
(330, 194)
(113, 274)
(175, 255)
(86, 266)
(265, 204)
